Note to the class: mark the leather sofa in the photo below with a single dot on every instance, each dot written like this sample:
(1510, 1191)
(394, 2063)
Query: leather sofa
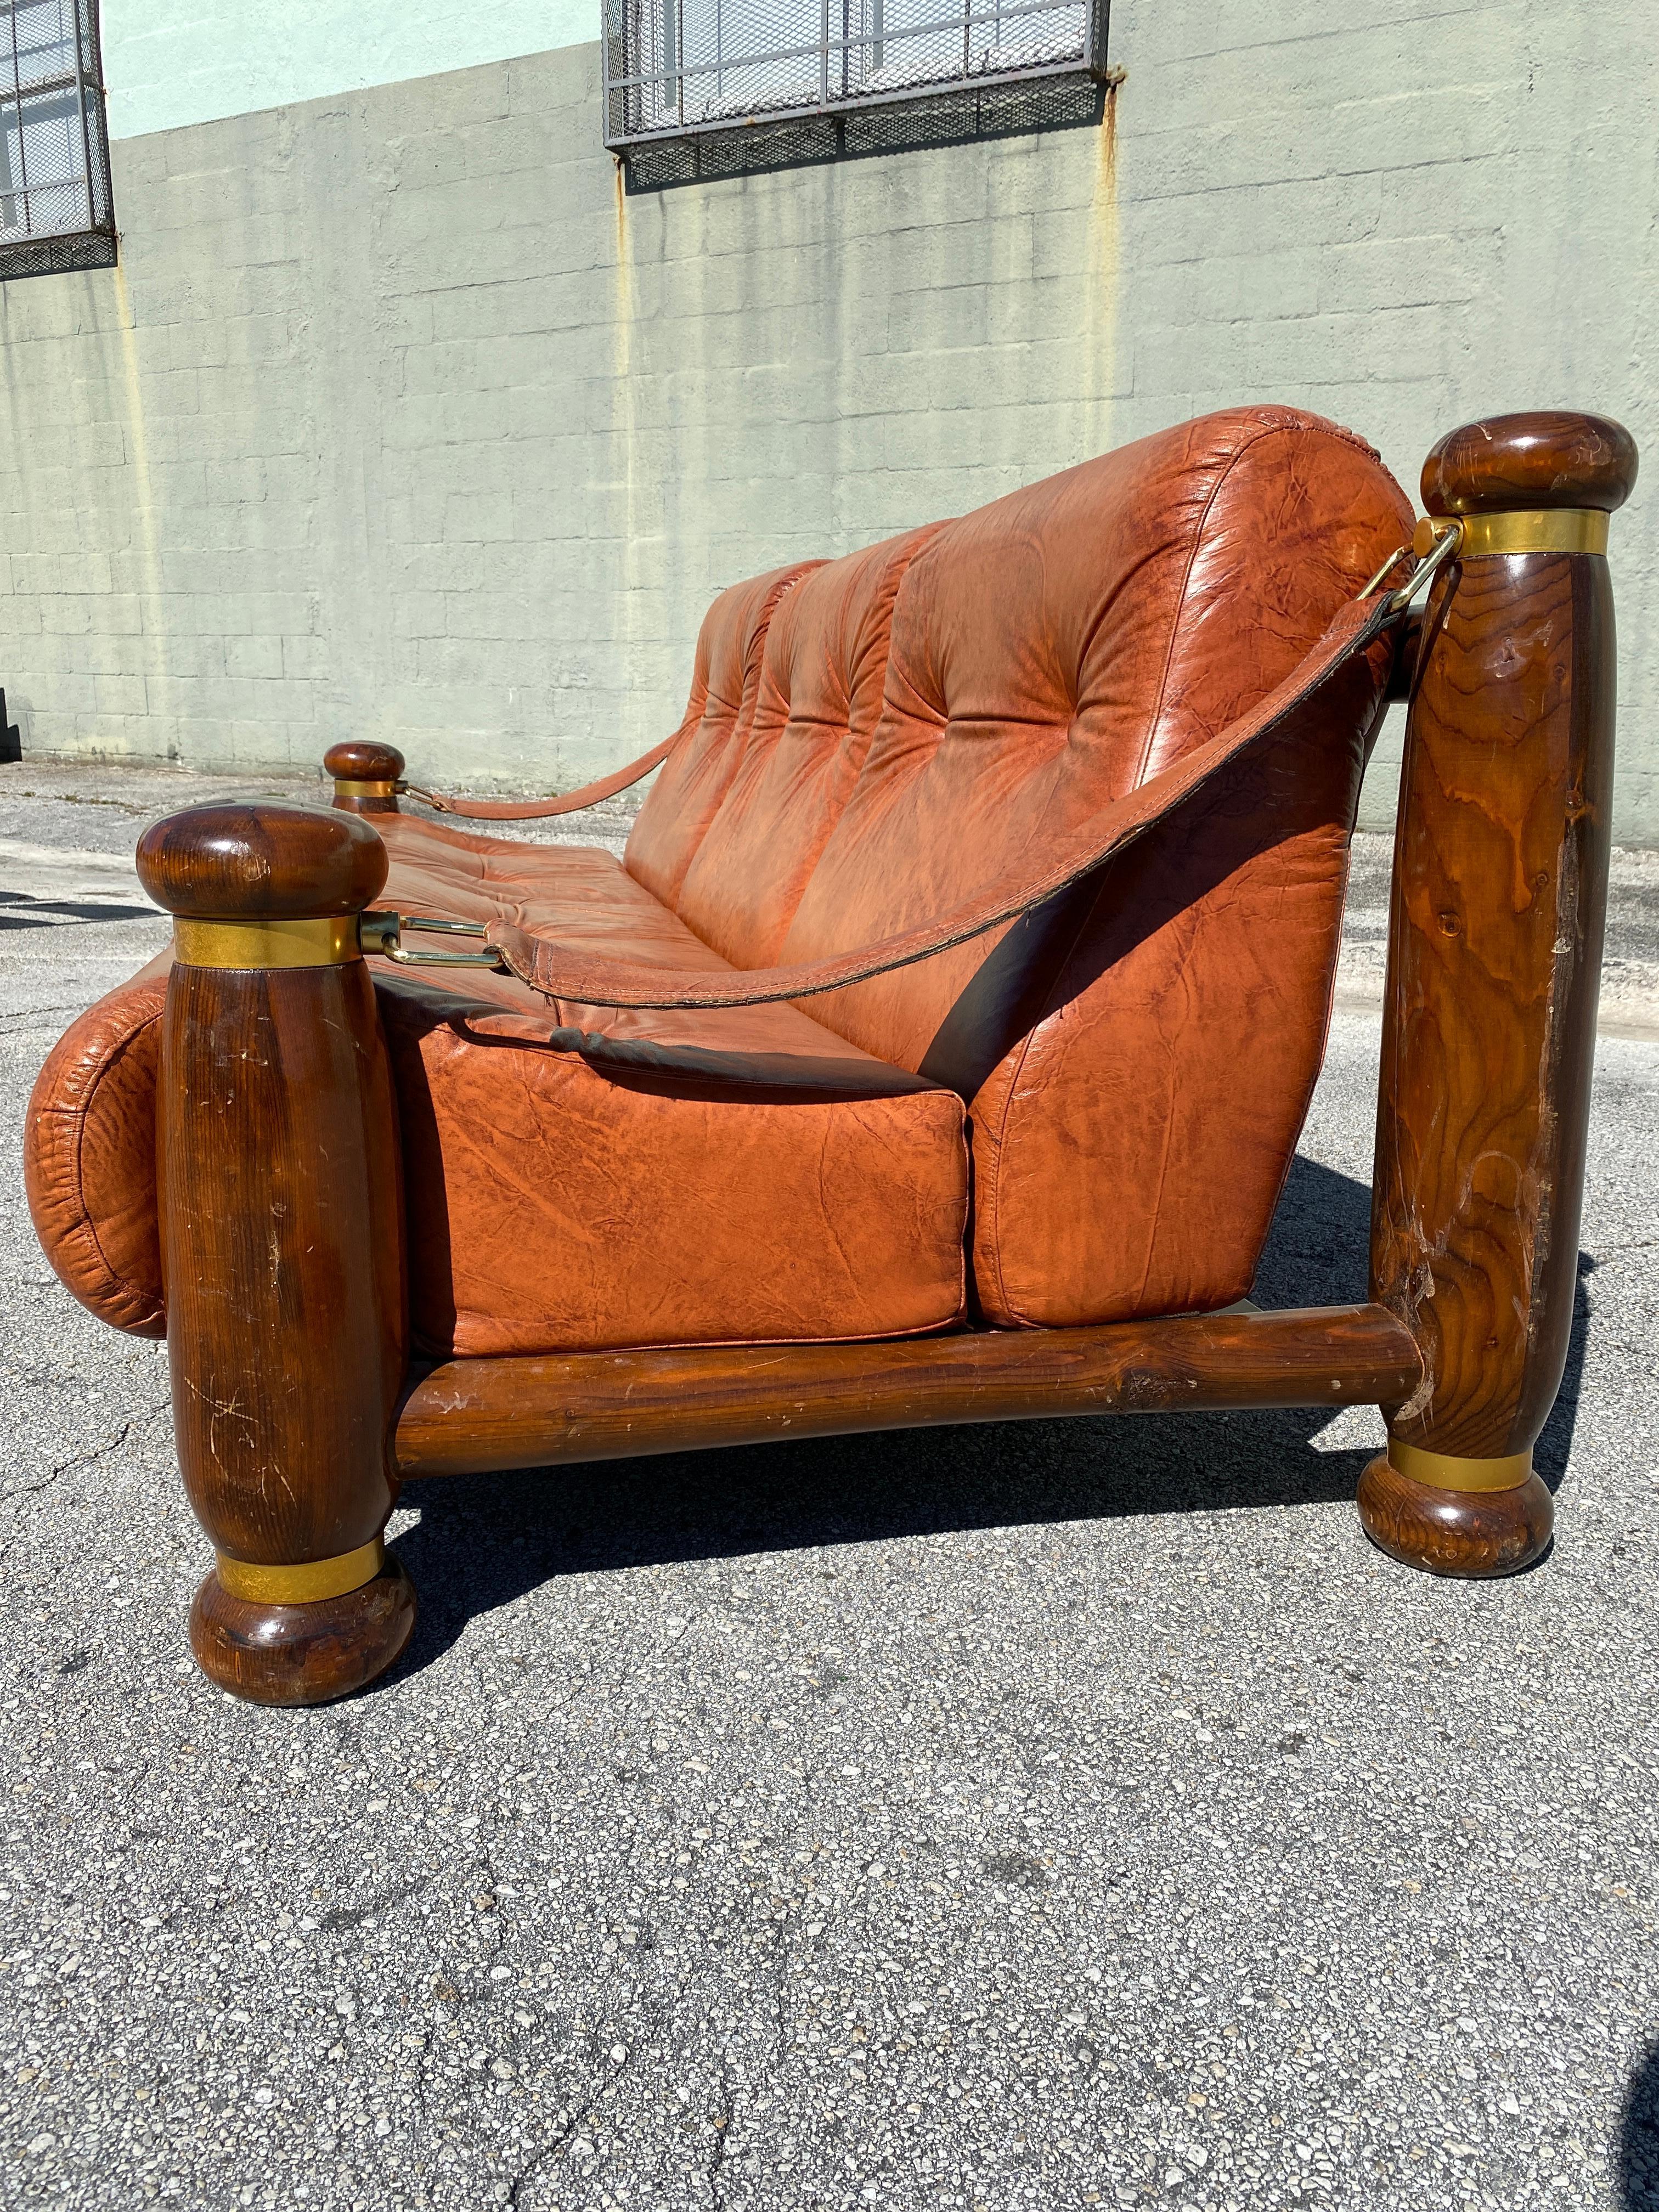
(1075, 1123)
(581, 1177)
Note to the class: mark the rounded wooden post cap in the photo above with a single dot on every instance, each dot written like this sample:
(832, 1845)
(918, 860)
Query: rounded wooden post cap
(361, 760)
(220, 863)
(1549, 459)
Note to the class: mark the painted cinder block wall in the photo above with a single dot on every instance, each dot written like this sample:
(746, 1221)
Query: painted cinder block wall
(398, 419)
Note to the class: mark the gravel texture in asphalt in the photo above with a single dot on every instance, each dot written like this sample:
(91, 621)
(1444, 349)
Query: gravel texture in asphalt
(1053, 1815)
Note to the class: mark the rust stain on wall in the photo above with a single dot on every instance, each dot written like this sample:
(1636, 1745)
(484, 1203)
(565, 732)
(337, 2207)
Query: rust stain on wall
(1097, 375)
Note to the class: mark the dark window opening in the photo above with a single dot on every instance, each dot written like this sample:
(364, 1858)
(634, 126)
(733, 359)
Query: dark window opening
(713, 88)
(55, 207)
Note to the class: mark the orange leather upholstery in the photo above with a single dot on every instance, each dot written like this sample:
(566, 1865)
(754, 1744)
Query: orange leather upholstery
(89, 1157)
(578, 1178)
(1160, 1036)
(868, 742)
(583, 1177)
(819, 699)
(725, 683)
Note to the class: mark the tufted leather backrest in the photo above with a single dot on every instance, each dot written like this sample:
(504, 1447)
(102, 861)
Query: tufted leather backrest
(819, 697)
(724, 683)
(1052, 650)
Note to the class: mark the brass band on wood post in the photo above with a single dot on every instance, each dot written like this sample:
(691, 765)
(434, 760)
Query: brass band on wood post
(367, 777)
(282, 1245)
(1494, 954)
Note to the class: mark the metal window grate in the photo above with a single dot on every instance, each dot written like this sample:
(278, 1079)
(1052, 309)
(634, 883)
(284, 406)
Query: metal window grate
(55, 208)
(679, 68)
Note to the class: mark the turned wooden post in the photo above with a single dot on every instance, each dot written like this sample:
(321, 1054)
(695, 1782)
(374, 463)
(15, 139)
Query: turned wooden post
(282, 1245)
(366, 776)
(1494, 956)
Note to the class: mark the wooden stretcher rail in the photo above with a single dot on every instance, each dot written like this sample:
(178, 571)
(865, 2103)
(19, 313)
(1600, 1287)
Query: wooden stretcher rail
(469, 1416)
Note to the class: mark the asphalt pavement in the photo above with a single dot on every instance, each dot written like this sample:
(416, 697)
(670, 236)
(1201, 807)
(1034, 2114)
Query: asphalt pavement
(1049, 1815)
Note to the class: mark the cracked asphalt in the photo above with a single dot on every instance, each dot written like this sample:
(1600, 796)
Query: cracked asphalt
(1043, 1816)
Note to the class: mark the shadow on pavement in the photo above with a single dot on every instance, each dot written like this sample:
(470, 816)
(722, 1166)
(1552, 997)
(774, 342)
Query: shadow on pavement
(1638, 2176)
(21, 910)
(483, 1541)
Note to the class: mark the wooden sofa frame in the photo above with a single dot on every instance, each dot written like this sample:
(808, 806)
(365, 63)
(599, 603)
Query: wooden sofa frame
(297, 1410)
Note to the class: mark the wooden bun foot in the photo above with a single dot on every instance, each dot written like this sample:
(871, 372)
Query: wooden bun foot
(1472, 1534)
(302, 1655)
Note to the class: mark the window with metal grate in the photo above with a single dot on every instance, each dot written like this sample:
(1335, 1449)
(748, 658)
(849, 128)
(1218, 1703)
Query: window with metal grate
(55, 207)
(705, 87)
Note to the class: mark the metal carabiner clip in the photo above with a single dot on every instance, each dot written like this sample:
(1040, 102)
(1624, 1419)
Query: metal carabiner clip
(1444, 534)
(382, 932)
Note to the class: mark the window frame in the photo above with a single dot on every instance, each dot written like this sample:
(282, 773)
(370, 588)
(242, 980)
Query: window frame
(89, 245)
(799, 130)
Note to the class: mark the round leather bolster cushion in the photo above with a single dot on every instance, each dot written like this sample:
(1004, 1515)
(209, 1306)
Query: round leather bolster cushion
(90, 1158)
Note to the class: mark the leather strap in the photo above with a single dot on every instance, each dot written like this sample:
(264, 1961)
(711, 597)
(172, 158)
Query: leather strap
(537, 810)
(559, 972)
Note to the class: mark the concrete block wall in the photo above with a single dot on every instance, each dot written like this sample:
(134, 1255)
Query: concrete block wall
(399, 420)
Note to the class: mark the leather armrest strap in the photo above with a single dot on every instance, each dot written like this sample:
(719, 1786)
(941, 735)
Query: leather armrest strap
(536, 809)
(559, 972)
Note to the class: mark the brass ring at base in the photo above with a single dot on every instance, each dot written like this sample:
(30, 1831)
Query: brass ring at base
(1444, 1471)
(346, 787)
(286, 941)
(306, 1583)
(1520, 530)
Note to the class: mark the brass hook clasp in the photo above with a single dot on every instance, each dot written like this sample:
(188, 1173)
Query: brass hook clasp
(1440, 536)
(379, 931)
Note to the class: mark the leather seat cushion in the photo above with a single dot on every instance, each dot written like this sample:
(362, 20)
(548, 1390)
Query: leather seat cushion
(577, 1178)
(584, 1177)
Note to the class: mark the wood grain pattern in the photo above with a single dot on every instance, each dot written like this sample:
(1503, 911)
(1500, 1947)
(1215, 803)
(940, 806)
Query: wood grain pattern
(361, 760)
(302, 1654)
(1407, 650)
(469, 1415)
(282, 1248)
(1550, 458)
(1473, 1534)
(235, 863)
(1496, 944)
(282, 1254)
(1495, 948)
